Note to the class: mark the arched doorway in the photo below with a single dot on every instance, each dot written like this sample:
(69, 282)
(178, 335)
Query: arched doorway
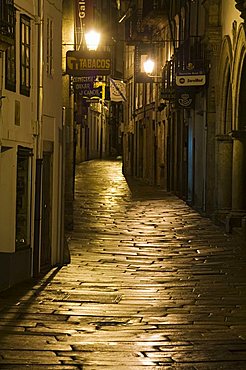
(239, 149)
(224, 153)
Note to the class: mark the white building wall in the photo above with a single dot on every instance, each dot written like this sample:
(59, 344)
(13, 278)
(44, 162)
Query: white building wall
(13, 132)
(52, 119)
(37, 121)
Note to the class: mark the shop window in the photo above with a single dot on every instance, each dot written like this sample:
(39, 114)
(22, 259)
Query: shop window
(25, 48)
(23, 198)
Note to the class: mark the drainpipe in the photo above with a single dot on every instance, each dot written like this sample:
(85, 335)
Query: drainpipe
(64, 252)
(205, 129)
(40, 19)
(39, 161)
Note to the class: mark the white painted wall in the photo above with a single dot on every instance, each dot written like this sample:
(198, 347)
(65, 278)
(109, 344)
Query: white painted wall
(12, 135)
(52, 118)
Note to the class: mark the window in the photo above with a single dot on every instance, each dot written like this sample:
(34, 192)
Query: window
(10, 68)
(7, 18)
(50, 57)
(25, 55)
(10, 61)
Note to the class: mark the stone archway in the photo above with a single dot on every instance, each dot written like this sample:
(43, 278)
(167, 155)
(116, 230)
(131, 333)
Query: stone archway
(223, 134)
(238, 134)
(239, 147)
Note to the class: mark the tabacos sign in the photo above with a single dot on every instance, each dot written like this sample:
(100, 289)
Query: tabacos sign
(81, 63)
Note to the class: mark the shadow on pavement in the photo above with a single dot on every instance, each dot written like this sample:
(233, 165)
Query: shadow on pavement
(142, 191)
(20, 297)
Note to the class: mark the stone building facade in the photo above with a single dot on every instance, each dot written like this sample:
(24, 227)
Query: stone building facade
(185, 124)
(31, 139)
(93, 122)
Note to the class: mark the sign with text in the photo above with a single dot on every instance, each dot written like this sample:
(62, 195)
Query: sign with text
(84, 63)
(83, 16)
(85, 87)
(190, 80)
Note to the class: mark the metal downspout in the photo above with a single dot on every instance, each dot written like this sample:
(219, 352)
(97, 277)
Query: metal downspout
(39, 162)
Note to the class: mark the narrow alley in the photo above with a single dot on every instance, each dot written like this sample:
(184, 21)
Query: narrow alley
(151, 285)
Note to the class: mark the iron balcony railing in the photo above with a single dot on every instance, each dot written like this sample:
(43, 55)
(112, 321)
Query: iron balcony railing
(168, 81)
(188, 58)
(190, 54)
(154, 7)
(7, 20)
(143, 19)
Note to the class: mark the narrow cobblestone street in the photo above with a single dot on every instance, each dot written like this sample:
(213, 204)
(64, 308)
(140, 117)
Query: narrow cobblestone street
(151, 285)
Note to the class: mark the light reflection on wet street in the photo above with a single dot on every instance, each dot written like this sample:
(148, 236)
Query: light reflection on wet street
(151, 285)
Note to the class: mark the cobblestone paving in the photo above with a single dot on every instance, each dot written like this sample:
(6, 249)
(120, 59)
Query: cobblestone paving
(151, 285)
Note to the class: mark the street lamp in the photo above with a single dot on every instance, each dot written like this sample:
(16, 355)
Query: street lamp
(92, 39)
(148, 65)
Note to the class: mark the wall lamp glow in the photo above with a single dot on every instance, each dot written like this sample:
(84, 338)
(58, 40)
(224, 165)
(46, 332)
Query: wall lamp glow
(149, 65)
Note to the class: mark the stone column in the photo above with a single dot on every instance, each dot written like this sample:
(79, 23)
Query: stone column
(238, 212)
(224, 174)
(239, 172)
(212, 40)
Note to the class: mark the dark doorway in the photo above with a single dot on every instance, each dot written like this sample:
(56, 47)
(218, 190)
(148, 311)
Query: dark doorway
(45, 262)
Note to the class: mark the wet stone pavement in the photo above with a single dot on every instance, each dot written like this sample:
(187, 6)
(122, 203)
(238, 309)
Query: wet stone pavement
(151, 285)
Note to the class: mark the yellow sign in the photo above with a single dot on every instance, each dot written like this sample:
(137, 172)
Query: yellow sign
(190, 80)
(80, 63)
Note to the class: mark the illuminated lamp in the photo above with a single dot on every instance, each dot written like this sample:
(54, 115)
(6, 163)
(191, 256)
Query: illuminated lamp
(92, 39)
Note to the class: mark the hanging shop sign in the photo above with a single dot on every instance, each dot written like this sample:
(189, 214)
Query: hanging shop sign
(83, 16)
(191, 80)
(85, 87)
(82, 63)
(185, 99)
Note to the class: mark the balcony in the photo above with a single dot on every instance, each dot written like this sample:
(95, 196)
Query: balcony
(136, 32)
(143, 21)
(154, 13)
(7, 24)
(188, 60)
(168, 81)
(190, 55)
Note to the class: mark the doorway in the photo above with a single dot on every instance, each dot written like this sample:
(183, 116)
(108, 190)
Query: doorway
(46, 228)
